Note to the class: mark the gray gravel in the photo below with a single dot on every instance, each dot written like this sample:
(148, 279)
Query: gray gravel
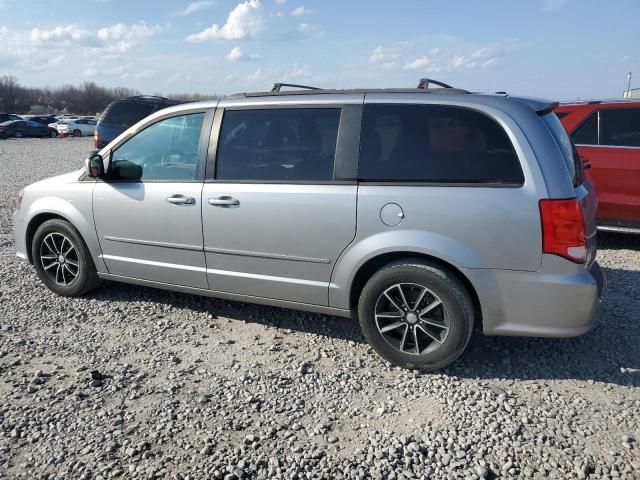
(138, 383)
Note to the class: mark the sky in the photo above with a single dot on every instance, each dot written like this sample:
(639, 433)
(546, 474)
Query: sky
(557, 49)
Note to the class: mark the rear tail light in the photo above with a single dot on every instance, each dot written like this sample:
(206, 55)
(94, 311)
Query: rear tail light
(96, 141)
(563, 230)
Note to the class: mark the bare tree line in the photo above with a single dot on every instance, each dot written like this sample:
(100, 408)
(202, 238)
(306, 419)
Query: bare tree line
(87, 98)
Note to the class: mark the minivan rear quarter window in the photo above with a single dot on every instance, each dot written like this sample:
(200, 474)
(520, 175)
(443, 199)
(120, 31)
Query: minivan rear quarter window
(127, 113)
(435, 144)
(289, 144)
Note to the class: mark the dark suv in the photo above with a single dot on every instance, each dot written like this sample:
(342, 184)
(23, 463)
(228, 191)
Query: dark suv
(121, 114)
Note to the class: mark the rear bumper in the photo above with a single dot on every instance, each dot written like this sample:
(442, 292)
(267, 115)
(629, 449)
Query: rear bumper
(539, 304)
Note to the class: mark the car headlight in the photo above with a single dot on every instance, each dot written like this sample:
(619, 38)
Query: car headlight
(19, 199)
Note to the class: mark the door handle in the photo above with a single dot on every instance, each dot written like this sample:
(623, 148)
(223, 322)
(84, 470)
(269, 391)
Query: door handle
(224, 202)
(181, 200)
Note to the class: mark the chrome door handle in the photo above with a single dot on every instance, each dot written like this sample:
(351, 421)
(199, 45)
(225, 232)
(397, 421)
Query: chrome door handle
(181, 200)
(224, 202)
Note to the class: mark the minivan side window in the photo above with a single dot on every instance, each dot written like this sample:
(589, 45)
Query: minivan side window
(620, 127)
(278, 144)
(166, 150)
(436, 144)
(587, 132)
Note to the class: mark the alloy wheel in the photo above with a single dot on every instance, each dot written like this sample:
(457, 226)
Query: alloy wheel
(411, 318)
(59, 258)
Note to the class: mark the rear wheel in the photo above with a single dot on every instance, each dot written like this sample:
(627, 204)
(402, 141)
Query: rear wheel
(77, 133)
(62, 260)
(18, 134)
(416, 315)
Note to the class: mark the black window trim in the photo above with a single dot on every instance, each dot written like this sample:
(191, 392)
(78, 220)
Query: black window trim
(347, 144)
(437, 183)
(202, 147)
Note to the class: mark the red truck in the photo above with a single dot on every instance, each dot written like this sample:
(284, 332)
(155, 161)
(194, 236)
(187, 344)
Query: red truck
(607, 136)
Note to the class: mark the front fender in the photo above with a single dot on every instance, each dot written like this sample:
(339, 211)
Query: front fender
(78, 212)
(409, 241)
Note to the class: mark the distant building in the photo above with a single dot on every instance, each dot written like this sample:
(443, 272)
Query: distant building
(632, 93)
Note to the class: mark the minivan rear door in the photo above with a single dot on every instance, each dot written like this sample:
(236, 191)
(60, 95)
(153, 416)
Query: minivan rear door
(279, 202)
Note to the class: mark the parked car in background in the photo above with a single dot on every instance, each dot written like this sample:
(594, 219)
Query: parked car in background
(78, 127)
(43, 119)
(121, 114)
(607, 136)
(5, 117)
(15, 116)
(26, 128)
(422, 212)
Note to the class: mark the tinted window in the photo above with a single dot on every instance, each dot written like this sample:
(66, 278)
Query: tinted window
(293, 144)
(569, 152)
(587, 132)
(620, 127)
(127, 113)
(167, 150)
(561, 115)
(431, 143)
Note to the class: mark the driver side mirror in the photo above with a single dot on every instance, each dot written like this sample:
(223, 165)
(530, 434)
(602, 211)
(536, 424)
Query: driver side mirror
(95, 166)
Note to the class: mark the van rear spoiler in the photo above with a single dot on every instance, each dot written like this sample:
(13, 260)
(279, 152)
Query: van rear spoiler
(550, 107)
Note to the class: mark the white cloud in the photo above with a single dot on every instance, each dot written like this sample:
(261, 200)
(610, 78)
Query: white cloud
(64, 35)
(245, 21)
(121, 37)
(196, 7)
(238, 55)
(300, 11)
(257, 75)
(49, 63)
(553, 5)
(388, 55)
(90, 72)
(304, 31)
(144, 74)
(438, 59)
(299, 71)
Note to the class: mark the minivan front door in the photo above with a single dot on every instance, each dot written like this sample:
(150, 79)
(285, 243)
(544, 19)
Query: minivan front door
(151, 228)
(275, 219)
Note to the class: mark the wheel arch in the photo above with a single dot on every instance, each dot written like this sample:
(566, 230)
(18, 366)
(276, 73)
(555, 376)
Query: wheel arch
(48, 208)
(374, 264)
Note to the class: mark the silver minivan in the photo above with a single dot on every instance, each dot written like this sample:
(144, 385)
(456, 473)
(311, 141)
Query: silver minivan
(424, 212)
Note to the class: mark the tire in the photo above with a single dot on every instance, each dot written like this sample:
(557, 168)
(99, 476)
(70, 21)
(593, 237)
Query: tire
(77, 133)
(450, 323)
(69, 272)
(53, 134)
(18, 134)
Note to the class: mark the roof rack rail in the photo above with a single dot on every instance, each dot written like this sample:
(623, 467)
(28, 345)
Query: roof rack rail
(277, 86)
(149, 96)
(424, 83)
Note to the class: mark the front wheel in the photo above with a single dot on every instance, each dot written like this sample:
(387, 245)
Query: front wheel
(53, 134)
(77, 133)
(62, 260)
(18, 134)
(416, 315)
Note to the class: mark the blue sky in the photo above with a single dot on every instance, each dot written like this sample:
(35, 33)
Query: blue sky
(561, 49)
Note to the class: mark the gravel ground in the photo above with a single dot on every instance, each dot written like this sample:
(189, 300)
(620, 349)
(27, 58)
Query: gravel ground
(132, 382)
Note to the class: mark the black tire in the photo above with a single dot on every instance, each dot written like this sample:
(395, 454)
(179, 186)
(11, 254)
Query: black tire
(86, 278)
(18, 134)
(456, 310)
(53, 134)
(77, 133)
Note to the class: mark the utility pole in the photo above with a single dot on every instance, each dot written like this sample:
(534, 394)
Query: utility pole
(628, 84)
